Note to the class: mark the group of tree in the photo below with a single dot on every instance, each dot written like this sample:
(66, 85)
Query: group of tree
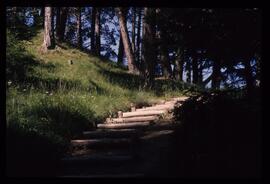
(183, 43)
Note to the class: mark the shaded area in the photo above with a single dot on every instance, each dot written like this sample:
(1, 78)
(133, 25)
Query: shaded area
(220, 137)
(136, 82)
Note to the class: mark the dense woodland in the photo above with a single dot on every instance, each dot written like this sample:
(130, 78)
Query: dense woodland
(138, 53)
(159, 41)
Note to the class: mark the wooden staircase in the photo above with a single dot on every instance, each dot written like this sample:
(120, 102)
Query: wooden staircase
(113, 149)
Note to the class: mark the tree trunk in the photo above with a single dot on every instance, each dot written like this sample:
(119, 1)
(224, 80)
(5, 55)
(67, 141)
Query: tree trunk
(42, 14)
(188, 68)
(126, 42)
(200, 76)
(133, 28)
(249, 78)
(166, 62)
(149, 46)
(61, 20)
(58, 10)
(79, 29)
(93, 23)
(120, 56)
(216, 74)
(138, 36)
(179, 61)
(120, 51)
(53, 26)
(97, 32)
(48, 42)
(195, 68)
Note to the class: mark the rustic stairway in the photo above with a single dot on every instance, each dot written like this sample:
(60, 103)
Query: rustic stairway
(113, 149)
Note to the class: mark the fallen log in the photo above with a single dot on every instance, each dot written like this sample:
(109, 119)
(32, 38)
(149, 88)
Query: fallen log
(111, 133)
(123, 125)
(103, 142)
(131, 119)
(143, 113)
(157, 107)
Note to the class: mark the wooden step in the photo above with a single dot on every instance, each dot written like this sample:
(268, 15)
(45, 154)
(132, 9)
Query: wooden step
(157, 108)
(131, 175)
(118, 133)
(101, 143)
(183, 98)
(132, 119)
(123, 125)
(143, 113)
(96, 159)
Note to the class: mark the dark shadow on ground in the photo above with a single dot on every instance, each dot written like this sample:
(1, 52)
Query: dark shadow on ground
(35, 149)
(220, 137)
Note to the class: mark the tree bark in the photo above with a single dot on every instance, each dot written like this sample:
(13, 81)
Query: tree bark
(79, 29)
(188, 68)
(133, 28)
(200, 76)
(139, 36)
(48, 42)
(179, 61)
(120, 51)
(216, 74)
(97, 32)
(61, 20)
(93, 22)
(120, 56)
(126, 42)
(195, 68)
(149, 46)
(249, 78)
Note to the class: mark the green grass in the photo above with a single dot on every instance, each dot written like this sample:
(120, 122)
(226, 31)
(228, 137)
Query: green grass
(49, 97)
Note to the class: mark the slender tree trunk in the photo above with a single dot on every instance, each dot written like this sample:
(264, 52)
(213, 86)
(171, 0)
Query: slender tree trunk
(97, 32)
(48, 42)
(53, 26)
(42, 14)
(139, 36)
(120, 56)
(149, 46)
(188, 68)
(200, 77)
(93, 22)
(249, 78)
(195, 68)
(178, 69)
(126, 42)
(216, 74)
(61, 20)
(79, 29)
(58, 10)
(120, 51)
(133, 28)
(165, 62)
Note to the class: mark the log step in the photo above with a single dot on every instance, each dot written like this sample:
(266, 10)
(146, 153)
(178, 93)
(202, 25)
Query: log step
(118, 133)
(123, 125)
(101, 143)
(143, 113)
(132, 119)
(157, 108)
(132, 175)
(96, 159)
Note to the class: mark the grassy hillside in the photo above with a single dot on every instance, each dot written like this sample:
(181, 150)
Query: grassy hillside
(48, 97)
